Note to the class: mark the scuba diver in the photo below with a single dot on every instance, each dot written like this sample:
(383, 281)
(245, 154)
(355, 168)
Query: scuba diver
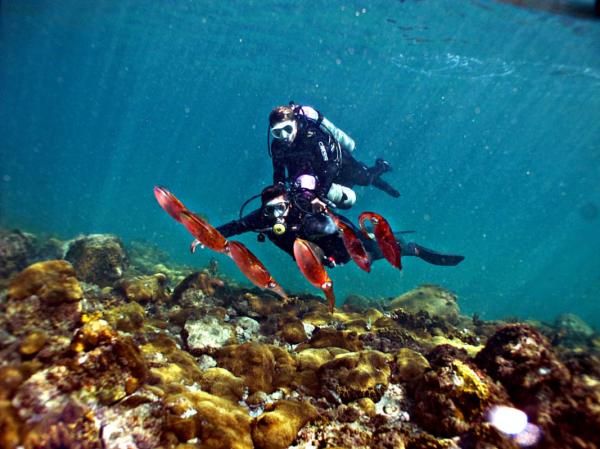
(285, 215)
(302, 141)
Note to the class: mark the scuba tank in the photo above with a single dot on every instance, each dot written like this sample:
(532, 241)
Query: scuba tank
(326, 125)
(344, 139)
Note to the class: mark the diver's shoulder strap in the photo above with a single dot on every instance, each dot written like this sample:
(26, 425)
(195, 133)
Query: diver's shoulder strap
(310, 114)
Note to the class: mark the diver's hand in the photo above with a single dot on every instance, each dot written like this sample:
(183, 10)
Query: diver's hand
(318, 205)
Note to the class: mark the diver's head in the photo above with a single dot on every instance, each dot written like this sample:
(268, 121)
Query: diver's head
(275, 202)
(283, 125)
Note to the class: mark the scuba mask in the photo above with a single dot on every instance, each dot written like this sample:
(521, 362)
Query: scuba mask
(284, 131)
(277, 209)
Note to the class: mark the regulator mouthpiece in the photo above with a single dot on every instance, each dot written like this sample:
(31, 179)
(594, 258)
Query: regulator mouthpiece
(278, 228)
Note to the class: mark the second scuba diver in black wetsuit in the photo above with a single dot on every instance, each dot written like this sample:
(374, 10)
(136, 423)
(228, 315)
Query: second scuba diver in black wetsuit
(284, 216)
(306, 143)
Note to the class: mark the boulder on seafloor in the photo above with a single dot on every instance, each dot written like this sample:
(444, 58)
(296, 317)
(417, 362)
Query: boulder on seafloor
(408, 366)
(563, 404)
(263, 367)
(429, 298)
(216, 422)
(453, 395)
(44, 297)
(308, 363)
(170, 366)
(278, 426)
(570, 330)
(355, 375)
(291, 330)
(143, 288)
(222, 383)
(519, 357)
(17, 250)
(52, 281)
(145, 256)
(98, 258)
(208, 334)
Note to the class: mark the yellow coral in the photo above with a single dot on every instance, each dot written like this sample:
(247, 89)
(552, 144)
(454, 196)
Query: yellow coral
(169, 364)
(467, 381)
(441, 340)
(263, 367)
(410, 365)
(356, 375)
(222, 383)
(53, 281)
(9, 426)
(32, 343)
(217, 422)
(278, 426)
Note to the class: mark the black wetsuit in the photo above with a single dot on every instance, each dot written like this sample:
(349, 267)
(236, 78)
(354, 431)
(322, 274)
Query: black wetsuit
(316, 228)
(313, 152)
(316, 152)
(322, 231)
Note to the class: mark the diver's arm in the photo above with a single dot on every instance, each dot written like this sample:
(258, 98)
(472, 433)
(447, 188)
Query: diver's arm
(250, 222)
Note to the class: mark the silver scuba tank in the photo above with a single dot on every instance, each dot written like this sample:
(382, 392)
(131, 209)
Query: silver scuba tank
(344, 139)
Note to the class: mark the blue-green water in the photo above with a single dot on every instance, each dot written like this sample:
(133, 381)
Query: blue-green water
(489, 113)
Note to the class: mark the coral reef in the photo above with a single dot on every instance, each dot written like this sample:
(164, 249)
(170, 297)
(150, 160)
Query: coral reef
(129, 351)
(98, 259)
(16, 252)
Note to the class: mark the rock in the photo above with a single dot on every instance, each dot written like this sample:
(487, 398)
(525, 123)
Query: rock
(430, 298)
(127, 317)
(453, 396)
(521, 359)
(246, 328)
(98, 258)
(16, 252)
(263, 367)
(216, 422)
(10, 379)
(222, 383)
(10, 437)
(143, 288)
(571, 330)
(44, 297)
(52, 281)
(278, 426)
(355, 375)
(132, 428)
(170, 365)
(291, 330)
(32, 343)
(408, 365)
(207, 335)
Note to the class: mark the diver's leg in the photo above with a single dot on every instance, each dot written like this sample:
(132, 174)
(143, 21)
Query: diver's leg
(386, 187)
(354, 172)
(429, 255)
